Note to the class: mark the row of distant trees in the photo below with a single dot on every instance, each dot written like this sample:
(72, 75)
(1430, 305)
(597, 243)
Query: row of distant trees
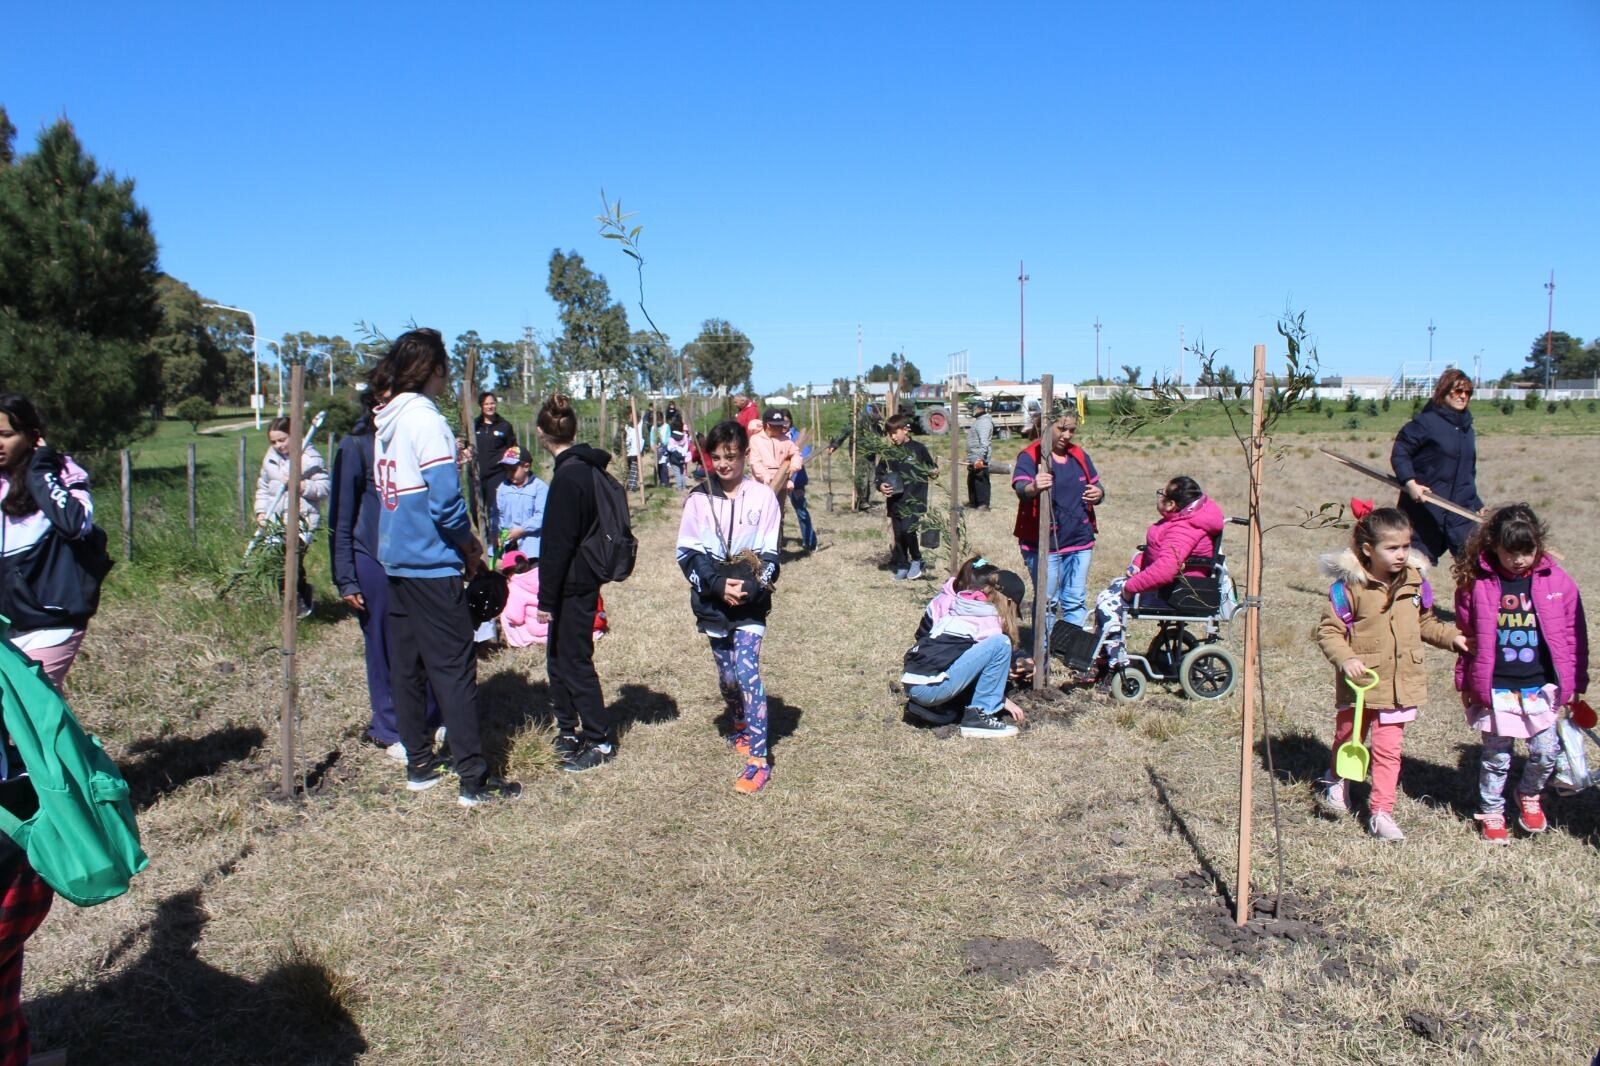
(105, 341)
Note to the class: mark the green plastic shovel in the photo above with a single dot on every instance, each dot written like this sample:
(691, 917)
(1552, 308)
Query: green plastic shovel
(1350, 761)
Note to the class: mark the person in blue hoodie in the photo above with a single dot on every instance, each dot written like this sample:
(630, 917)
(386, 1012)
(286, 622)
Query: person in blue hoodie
(357, 574)
(426, 545)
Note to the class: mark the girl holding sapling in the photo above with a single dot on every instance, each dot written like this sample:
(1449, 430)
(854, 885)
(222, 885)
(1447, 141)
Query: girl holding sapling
(728, 549)
(1530, 656)
(1378, 615)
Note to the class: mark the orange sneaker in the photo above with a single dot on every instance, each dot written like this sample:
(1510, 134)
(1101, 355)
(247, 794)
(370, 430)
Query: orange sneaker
(754, 777)
(740, 742)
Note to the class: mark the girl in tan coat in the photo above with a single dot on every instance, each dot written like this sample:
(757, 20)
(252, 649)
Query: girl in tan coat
(1378, 614)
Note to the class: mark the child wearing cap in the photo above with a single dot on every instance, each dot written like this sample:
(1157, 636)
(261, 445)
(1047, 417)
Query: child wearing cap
(770, 449)
(520, 502)
(520, 619)
(966, 653)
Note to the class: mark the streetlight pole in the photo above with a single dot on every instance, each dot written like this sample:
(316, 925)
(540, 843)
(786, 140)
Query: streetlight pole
(1097, 349)
(1549, 333)
(1430, 347)
(1022, 324)
(255, 353)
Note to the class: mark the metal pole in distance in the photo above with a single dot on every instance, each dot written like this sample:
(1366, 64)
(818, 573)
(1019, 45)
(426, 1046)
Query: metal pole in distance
(244, 499)
(954, 425)
(291, 573)
(190, 478)
(638, 435)
(127, 505)
(1041, 561)
(1252, 635)
(855, 431)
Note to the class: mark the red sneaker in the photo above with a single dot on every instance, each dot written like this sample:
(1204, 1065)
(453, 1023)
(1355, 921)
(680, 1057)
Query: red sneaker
(1494, 827)
(1529, 814)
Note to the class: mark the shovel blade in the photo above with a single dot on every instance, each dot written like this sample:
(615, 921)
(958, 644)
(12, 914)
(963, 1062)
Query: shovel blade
(1350, 761)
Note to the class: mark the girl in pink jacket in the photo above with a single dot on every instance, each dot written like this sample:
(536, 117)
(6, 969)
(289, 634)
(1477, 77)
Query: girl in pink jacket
(519, 621)
(1529, 657)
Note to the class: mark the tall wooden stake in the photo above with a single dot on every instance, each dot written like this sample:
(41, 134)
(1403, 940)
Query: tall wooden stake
(638, 436)
(954, 426)
(189, 476)
(1252, 635)
(471, 469)
(855, 431)
(244, 498)
(291, 575)
(127, 505)
(1041, 562)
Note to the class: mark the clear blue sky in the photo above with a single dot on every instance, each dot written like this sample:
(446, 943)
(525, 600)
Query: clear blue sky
(799, 169)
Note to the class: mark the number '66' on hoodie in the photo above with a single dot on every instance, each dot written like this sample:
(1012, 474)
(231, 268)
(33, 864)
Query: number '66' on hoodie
(422, 526)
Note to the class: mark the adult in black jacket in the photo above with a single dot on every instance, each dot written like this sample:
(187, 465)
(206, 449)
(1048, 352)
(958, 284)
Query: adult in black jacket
(491, 436)
(569, 591)
(357, 574)
(1437, 451)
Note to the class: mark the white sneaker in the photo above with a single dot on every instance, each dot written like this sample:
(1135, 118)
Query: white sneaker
(438, 737)
(1382, 826)
(396, 751)
(1333, 797)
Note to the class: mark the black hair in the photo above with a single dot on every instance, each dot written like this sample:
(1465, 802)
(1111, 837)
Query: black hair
(1514, 527)
(27, 421)
(896, 422)
(280, 424)
(1366, 533)
(1183, 491)
(729, 432)
(484, 395)
(414, 357)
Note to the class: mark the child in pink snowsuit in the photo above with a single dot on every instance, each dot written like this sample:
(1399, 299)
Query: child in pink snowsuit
(520, 619)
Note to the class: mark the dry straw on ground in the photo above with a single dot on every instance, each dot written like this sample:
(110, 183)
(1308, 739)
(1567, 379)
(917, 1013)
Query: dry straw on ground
(891, 897)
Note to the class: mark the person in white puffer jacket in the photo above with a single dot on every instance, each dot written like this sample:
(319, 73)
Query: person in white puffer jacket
(272, 497)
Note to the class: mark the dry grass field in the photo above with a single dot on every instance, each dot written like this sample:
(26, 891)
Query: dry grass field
(891, 897)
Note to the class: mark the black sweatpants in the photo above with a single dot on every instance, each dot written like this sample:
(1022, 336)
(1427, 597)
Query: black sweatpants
(977, 486)
(904, 518)
(569, 663)
(430, 644)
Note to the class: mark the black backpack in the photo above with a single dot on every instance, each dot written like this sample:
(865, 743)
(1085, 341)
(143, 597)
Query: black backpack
(610, 548)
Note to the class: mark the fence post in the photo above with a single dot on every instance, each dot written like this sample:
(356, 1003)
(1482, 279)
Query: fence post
(244, 500)
(127, 506)
(953, 424)
(189, 472)
(291, 583)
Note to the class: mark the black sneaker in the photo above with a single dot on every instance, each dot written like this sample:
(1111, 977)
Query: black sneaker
(589, 757)
(431, 774)
(975, 723)
(493, 790)
(566, 746)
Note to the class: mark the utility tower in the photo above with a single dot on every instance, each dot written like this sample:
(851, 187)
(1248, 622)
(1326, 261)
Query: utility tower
(1549, 334)
(1097, 378)
(527, 362)
(1022, 324)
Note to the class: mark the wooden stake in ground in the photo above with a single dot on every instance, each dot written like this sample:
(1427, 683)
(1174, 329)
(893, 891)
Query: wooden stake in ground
(470, 469)
(953, 424)
(127, 505)
(1252, 635)
(291, 575)
(855, 431)
(189, 477)
(244, 500)
(638, 436)
(1041, 560)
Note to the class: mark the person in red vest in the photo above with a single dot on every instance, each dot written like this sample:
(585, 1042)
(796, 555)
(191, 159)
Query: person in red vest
(747, 414)
(1074, 488)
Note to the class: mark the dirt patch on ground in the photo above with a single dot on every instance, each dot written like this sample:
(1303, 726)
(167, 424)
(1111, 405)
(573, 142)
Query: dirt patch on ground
(1007, 960)
(1053, 704)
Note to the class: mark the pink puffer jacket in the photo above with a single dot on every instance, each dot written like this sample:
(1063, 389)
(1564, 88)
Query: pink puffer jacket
(1562, 627)
(1172, 540)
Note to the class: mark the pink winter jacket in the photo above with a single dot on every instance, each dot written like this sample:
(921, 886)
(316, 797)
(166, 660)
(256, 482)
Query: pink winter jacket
(1561, 626)
(520, 619)
(1172, 540)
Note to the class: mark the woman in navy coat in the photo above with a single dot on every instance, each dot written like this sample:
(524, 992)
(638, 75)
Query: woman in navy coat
(1437, 451)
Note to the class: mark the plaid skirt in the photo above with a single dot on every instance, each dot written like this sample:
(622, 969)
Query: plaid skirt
(24, 901)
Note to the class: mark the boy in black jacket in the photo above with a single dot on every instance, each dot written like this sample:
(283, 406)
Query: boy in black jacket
(902, 476)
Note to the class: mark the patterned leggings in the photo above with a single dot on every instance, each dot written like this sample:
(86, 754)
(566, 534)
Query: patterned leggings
(738, 658)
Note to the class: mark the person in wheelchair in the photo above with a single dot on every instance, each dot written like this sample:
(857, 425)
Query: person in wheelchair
(1172, 574)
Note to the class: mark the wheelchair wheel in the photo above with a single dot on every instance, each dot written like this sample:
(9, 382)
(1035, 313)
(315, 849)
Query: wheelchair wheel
(1167, 650)
(1208, 672)
(1127, 685)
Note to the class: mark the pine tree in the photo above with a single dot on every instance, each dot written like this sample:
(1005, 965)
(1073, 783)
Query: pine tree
(77, 294)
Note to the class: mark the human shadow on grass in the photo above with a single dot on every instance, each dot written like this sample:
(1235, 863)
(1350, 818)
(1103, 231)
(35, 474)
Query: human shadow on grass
(169, 1006)
(783, 720)
(637, 705)
(508, 705)
(155, 767)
